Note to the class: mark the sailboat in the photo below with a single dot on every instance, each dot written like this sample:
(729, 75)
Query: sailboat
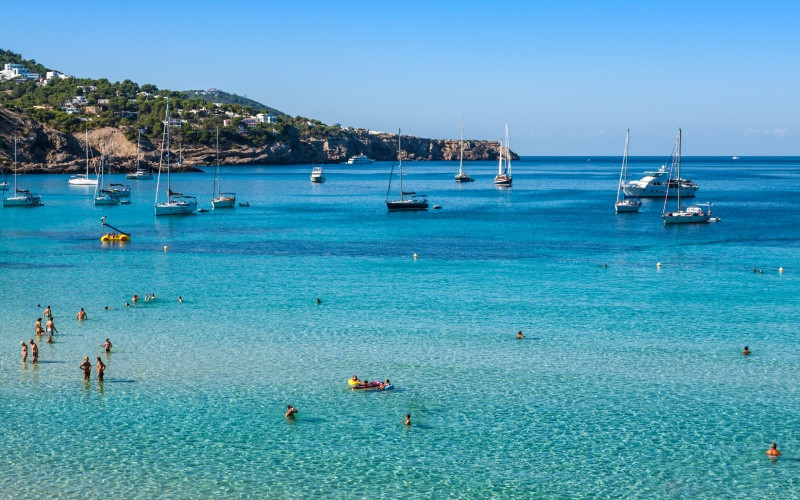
(83, 179)
(176, 203)
(121, 191)
(20, 197)
(691, 214)
(503, 177)
(409, 200)
(221, 200)
(104, 195)
(140, 174)
(461, 176)
(623, 203)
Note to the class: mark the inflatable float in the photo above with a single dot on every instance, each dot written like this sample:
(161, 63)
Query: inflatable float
(109, 238)
(362, 385)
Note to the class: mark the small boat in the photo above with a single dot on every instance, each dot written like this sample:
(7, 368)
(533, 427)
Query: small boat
(83, 179)
(175, 203)
(624, 203)
(121, 190)
(437, 207)
(220, 199)
(21, 197)
(316, 175)
(462, 176)
(503, 177)
(409, 200)
(734, 158)
(245, 204)
(360, 159)
(104, 196)
(115, 238)
(140, 174)
(202, 210)
(692, 214)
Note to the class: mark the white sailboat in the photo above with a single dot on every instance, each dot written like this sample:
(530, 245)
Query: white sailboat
(461, 176)
(140, 174)
(220, 199)
(103, 195)
(504, 177)
(20, 197)
(83, 179)
(409, 200)
(176, 203)
(624, 203)
(691, 214)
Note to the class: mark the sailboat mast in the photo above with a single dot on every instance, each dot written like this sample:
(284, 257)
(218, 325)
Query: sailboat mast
(216, 175)
(500, 158)
(508, 153)
(461, 155)
(400, 163)
(679, 170)
(87, 153)
(623, 171)
(15, 164)
(138, 145)
(169, 188)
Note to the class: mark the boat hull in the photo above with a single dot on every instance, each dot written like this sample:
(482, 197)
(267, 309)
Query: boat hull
(685, 218)
(175, 208)
(22, 201)
(406, 205)
(139, 177)
(317, 180)
(82, 181)
(223, 203)
(659, 191)
(464, 178)
(627, 207)
(106, 200)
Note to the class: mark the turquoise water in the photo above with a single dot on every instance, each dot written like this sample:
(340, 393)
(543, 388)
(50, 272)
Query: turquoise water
(629, 382)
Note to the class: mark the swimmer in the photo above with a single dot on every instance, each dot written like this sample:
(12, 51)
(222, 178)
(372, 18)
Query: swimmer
(520, 335)
(773, 452)
(101, 367)
(135, 297)
(291, 411)
(24, 351)
(108, 308)
(152, 296)
(107, 345)
(127, 304)
(50, 327)
(47, 312)
(37, 328)
(180, 299)
(745, 351)
(319, 301)
(408, 420)
(82, 316)
(34, 351)
(86, 367)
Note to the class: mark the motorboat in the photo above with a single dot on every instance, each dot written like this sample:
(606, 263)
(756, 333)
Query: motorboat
(656, 185)
(316, 175)
(360, 159)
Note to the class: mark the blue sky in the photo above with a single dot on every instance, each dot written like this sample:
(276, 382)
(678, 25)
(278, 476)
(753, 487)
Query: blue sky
(568, 76)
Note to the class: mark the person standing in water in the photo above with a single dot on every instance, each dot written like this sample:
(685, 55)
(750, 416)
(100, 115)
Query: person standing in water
(291, 411)
(101, 367)
(81, 316)
(86, 367)
(47, 312)
(107, 345)
(34, 352)
(745, 351)
(24, 351)
(408, 420)
(773, 452)
(37, 328)
(180, 299)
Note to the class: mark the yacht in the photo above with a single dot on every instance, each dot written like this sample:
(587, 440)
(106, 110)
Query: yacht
(692, 214)
(140, 174)
(121, 190)
(20, 197)
(409, 200)
(625, 203)
(503, 177)
(658, 184)
(220, 199)
(175, 203)
(462, 176)
(83, 179)
(316, 175)
(361, 159)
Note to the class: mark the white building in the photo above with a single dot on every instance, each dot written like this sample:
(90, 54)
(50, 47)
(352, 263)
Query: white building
(266, 118)
(13, 71)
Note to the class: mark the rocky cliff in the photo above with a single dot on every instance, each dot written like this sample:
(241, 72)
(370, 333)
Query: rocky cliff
(42, 149)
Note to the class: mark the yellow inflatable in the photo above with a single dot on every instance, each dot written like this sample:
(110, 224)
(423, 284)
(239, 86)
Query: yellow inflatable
(351, 383)
(115, 237)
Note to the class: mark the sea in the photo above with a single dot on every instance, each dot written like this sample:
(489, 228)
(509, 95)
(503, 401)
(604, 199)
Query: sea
(629, 381)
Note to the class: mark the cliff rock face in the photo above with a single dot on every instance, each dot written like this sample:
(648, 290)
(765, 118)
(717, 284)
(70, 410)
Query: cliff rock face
(42, 149)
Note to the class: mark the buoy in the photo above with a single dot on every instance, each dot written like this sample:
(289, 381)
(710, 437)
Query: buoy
(166, 248)
(415, 256)
(658, 265)
(780, 269)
